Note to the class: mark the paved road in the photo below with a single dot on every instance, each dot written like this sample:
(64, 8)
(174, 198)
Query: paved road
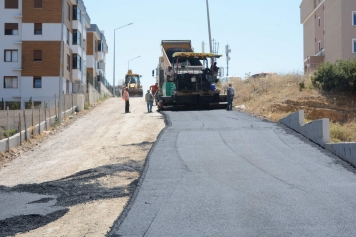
(225, 173)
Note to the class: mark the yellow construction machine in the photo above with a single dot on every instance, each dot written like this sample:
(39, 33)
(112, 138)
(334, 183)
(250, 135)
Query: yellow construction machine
(133, 83)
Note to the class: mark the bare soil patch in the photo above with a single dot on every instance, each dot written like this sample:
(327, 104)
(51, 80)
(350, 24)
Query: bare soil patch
(275, 97)
(92, 165)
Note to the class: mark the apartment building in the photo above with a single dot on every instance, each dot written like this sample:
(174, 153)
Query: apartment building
(31, 35)
(97, 49)
(329, 28)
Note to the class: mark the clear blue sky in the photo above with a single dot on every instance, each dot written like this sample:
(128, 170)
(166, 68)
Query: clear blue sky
(264, 35)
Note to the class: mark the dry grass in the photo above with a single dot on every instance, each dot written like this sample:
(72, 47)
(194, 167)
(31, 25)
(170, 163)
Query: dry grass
(343, 132)
(259, 94)
(274, 97)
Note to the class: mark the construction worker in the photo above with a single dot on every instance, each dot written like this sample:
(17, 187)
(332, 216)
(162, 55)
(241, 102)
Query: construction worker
(230, 97)
(126, 97)
(149, 101)
(154, 90)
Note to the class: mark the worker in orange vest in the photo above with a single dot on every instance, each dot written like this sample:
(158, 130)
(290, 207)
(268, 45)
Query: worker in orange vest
(126, 97)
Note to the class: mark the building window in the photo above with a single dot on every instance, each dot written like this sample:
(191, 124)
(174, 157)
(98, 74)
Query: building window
(37, 55)
(38, 29)
(68, 62)
(68, 11)
(11, 4)
(10, 56)
(38, 3)
(76, 13)
(354, 46)
(319, 21)
(77, 37)
(319, 45)
(37, 82)
(77, 62)
(10, 82)
(100, 46)
(68, 36)
(354, 18)
(11, 29)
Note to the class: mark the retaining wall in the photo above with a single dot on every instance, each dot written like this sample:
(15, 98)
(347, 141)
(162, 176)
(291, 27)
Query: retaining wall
(318, 131)
(93, 96)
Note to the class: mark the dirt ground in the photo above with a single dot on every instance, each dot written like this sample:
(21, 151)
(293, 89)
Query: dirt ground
(92, 166)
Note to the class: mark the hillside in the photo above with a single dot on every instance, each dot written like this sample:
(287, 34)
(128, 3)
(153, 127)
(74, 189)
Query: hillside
(275, 97)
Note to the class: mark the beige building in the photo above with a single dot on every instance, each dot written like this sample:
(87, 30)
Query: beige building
(329, 28)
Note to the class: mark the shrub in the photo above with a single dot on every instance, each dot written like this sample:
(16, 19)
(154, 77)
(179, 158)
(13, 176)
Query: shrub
(301, 85)
(11, 131)
(15, 106)
(338, 77)
(86, 105)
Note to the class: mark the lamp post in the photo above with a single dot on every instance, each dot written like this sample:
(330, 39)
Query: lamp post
(210, 46)
(128, 62)
(61, 71)
(113, 86)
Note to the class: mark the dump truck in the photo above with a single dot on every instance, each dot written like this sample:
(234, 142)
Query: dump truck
(186, 78)
(133, 83)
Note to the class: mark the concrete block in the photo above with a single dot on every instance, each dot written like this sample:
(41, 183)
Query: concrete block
(294, 120)
(318, 131)
(80, 102)
(3, 145)
(345, 150)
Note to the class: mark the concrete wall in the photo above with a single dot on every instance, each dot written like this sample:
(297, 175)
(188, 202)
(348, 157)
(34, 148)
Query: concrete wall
(333, 30)
(348, 29)
(104, 91)
(93, 96)
(318, 131)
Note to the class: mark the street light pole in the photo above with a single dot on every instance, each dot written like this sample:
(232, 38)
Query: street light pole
(113, 87)
(61, 71)
(128, 62)
(207, 9)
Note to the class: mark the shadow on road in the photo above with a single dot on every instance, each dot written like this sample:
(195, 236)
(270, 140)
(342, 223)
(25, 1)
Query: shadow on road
(79, 188)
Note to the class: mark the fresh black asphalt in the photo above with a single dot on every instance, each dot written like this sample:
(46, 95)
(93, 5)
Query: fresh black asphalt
(226, 173)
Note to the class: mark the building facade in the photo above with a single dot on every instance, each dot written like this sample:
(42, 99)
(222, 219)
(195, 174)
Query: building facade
(34, 40)
(97, 49)
(329, 28)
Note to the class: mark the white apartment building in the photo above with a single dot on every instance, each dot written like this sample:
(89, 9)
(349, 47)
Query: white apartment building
(30, 36)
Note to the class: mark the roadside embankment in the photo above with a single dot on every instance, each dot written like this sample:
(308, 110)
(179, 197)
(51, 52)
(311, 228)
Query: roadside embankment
(318, 131)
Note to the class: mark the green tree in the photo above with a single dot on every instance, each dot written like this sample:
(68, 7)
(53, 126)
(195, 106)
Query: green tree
(324, 77)
(338, 77)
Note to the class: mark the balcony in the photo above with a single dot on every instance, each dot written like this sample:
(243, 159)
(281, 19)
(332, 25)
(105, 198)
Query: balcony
(101, 56)
(77, 25)
(76, 75)
(77, 49)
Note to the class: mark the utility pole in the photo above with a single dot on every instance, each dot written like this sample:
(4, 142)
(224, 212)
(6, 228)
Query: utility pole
(207, 9)
(227, 51)
(61, 71)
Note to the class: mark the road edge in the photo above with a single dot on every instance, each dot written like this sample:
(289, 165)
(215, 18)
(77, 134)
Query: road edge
(117, 223)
